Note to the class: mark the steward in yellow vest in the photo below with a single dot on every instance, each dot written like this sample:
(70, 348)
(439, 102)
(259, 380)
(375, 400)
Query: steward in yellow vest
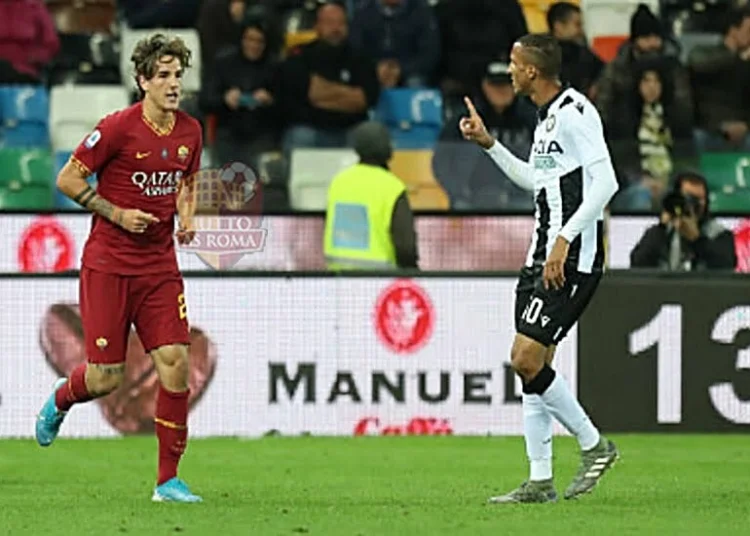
(369, 224)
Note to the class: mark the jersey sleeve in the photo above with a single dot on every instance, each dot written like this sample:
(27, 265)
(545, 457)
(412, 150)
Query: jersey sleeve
(99, 147)
(586, 135)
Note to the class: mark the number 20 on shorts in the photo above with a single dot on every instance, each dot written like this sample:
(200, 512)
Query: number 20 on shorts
(531, 312)
(182, 306)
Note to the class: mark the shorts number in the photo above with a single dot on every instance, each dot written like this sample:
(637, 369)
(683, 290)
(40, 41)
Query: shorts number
(182, 306)
(533, 309)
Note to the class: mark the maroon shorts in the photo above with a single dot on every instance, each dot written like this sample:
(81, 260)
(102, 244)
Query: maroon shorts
(111, 303)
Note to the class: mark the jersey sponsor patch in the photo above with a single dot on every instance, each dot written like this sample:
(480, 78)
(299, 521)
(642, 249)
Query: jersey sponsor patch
(93, 139)
(544, 162)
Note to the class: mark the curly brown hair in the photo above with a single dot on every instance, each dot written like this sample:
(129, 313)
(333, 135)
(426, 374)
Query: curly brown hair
(149, 51)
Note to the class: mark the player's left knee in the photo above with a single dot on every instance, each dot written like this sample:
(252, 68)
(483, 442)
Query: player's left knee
(527, 357)
(172, 364)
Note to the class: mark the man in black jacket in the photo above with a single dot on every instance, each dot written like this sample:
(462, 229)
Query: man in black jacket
(325, 88)
(686, 237)
(239, 93)
(581, 67)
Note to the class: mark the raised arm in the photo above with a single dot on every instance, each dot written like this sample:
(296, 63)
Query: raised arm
(473, 129)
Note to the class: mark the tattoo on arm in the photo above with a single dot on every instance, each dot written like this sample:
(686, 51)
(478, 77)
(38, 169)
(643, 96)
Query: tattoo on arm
(110, 370)
(88, 198)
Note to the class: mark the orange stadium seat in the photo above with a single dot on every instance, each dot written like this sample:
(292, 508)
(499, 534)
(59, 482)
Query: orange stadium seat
(83, 16)
(415, 169)
(606, 46)
(302, 37)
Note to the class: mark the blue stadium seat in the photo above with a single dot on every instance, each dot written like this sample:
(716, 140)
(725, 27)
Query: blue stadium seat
(413, 116)
(25, 116)
(62, 201)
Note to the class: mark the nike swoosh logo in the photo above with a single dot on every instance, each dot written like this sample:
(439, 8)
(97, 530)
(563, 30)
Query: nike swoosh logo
(141, 156)
(548, 440)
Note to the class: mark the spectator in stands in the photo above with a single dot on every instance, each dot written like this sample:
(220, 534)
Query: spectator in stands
(219, 27)
(325, 88)
(643, 144)
(239, 94)
(614, 90)
(147, 14)
(721, 82)
(581, 67)
(401, 36)
(686, 238)
(473, 33)
(469, 177)
(28, 41)
(369, 223)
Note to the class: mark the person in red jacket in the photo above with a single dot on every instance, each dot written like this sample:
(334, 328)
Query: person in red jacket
(28, 41)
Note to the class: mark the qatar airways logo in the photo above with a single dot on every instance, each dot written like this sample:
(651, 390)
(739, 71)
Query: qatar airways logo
(158, 183)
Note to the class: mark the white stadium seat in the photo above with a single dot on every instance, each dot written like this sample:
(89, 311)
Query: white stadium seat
(312, 171)
(611, 17)
(192, 77)
(76, 109)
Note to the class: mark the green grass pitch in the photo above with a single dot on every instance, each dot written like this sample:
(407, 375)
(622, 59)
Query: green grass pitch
(412, 486)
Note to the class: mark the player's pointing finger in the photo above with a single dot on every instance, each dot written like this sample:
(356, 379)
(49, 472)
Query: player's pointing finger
(470, 106)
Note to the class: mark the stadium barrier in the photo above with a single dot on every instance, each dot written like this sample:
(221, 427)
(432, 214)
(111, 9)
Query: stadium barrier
(371, 354)
(38, 243)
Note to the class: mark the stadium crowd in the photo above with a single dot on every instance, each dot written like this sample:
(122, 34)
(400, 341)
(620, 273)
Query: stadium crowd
(281, 75)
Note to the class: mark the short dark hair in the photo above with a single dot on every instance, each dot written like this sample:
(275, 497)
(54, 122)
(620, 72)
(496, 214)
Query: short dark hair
(560, 12)
(734, 18)
(320, 4)
(544, 53)
(150, 50)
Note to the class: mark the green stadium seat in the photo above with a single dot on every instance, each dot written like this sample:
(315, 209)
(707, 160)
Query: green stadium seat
(737, 202)
(27, 198)
(23, 167)
(726, 172)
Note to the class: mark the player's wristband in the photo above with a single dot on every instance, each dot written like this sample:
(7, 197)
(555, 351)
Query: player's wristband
(85, 197)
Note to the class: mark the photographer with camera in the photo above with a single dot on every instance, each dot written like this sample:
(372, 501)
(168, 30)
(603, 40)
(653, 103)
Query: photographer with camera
(686, 237)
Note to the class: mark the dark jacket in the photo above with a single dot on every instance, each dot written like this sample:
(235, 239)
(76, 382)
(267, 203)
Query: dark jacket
(475, 32)
(403, 234)
(469, 176)
(721, 83)
(217, 31)
(147, 14)
(407, 33)
(232, 69)
(341, 65)
(714, 249)
(614, 90)
(581, 68)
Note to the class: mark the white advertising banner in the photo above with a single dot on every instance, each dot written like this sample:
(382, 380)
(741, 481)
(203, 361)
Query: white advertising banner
(30, 243)
(324, 356)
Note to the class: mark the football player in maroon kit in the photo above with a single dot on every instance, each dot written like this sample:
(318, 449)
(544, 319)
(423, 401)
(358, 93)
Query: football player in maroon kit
(146, 158)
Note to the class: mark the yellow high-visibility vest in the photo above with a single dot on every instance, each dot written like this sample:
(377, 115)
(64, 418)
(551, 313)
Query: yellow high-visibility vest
(358, 219)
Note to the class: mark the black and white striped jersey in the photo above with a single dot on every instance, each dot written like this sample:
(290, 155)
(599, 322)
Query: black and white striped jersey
(568, 139)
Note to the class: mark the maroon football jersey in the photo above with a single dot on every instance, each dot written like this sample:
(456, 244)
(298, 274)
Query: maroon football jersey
(138, 166)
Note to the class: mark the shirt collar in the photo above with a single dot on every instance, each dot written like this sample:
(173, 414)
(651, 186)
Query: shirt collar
(543, 111)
